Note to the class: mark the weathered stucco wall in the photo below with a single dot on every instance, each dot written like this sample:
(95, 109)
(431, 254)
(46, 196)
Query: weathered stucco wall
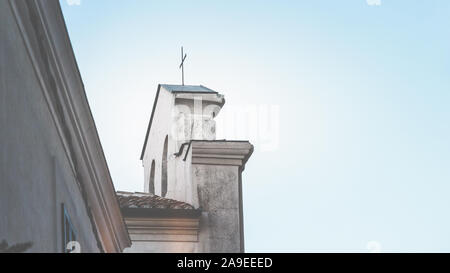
(219, 198)
(35, 174)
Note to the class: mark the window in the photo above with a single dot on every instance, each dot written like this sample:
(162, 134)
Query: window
(164, 170)
(69, 233)
(151, 186)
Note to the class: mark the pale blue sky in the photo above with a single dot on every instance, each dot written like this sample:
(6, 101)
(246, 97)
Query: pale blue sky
(364, 95)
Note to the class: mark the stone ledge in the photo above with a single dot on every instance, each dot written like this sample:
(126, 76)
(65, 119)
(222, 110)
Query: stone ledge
(220, 152)
(163, 229)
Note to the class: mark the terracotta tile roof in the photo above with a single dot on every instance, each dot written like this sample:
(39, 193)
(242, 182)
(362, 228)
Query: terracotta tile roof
(148, 200)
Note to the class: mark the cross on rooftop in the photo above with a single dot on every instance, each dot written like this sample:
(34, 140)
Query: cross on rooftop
(183, 57)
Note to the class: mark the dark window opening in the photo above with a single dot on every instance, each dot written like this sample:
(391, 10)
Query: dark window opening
(151, 187)
(164, 169)
(69, 233)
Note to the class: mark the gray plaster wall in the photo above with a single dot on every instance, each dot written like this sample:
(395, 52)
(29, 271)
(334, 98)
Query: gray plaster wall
(219, 197)
(36, 177)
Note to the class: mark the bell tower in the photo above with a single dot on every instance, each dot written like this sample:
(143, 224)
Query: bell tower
(183, 161)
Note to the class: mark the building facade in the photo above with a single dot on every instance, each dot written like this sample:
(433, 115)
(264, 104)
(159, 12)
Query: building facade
(192, 200)
(56, 192)
(55, 186)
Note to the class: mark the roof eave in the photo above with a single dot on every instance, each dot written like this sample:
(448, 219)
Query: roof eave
(150, 122)
(161, 213)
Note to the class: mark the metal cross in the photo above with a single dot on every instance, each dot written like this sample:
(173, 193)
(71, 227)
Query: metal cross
(183, 57)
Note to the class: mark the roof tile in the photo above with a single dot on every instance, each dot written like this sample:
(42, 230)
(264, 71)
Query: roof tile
(148, 200)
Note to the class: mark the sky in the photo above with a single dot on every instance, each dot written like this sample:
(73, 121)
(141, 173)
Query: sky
(351, 100)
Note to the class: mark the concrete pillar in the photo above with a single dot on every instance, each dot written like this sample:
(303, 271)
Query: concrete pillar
(216, 175)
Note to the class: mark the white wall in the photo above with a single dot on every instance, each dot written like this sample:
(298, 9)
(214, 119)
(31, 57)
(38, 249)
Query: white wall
(162, 122)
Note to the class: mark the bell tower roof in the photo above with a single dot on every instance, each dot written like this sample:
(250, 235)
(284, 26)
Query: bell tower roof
(187, 88)
(183, 93)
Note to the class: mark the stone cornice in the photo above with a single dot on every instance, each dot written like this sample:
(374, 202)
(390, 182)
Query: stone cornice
(220, 152)
(46, 39)
(160, 213)
(161, 229)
